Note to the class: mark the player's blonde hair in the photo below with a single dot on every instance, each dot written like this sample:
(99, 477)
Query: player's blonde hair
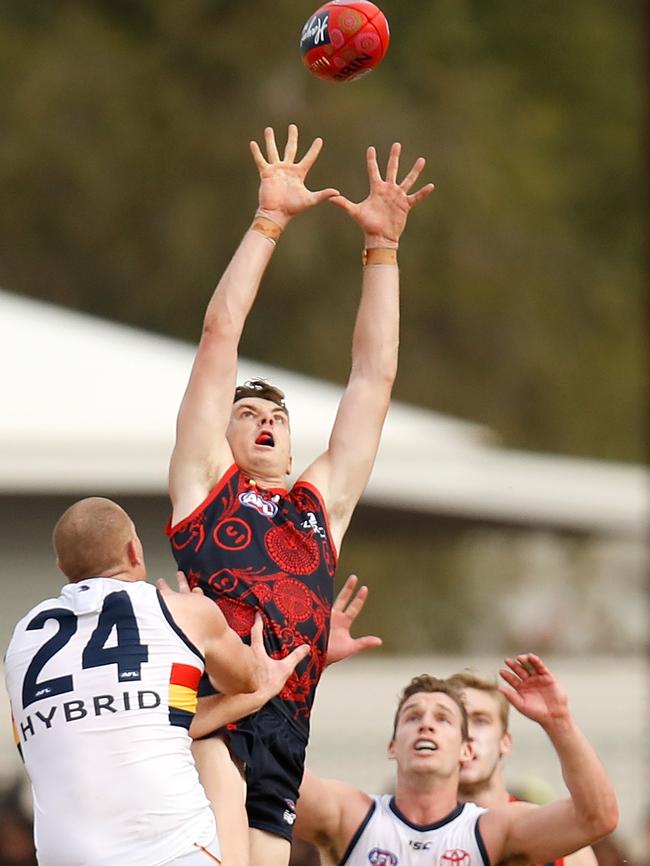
(426, 683)
(469, 679)
(91, 537)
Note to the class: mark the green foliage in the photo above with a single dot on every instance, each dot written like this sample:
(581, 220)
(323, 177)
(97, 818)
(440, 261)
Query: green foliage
(126, 183)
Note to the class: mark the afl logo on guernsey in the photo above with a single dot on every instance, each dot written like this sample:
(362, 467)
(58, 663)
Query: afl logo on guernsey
(266, 507)
(455, 857)
(379, 857)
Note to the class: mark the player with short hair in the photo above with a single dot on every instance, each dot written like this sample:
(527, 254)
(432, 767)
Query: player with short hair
(481, 778)
(237, 532)
(102, 683)
(424, 823)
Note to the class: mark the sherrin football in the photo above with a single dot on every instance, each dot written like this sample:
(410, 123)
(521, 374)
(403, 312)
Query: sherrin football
(344, 39)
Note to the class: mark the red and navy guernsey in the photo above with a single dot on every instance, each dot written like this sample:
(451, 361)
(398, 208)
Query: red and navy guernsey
(253, 550)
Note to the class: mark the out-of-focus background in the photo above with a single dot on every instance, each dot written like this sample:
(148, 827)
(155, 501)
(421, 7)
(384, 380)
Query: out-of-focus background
(508, 509)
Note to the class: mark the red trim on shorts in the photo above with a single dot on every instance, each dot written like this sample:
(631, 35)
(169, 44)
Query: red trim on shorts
(172, 530)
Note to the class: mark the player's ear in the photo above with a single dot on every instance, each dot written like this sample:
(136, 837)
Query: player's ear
(505, 744)
(133, 553)
(288, 472)
(391, 751)
(466, 752)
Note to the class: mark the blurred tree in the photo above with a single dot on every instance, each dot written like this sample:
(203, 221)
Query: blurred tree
(126, 183)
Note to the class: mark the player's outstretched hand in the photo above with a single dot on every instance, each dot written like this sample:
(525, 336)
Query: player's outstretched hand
(346, 608)
(283, 193)
(534, 691)
(273, 672)
(383, 214)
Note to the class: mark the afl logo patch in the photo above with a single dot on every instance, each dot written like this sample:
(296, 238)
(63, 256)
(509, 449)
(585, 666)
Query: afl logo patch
(251, 499)
(379, 857)
(455, 857)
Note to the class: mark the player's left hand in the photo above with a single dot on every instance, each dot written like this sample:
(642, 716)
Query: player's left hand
(534, 691)
(282, 192)
(383, 214)
(346, 608)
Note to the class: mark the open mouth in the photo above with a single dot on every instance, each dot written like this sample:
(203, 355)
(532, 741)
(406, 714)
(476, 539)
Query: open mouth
(426, 746)
(266, 439)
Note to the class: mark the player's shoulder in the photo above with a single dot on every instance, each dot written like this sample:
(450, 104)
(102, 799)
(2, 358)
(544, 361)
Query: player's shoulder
(22, 625)
(200, 609)
(41, 607)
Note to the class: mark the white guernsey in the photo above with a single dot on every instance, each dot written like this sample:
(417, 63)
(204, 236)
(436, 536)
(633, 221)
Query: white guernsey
(102, 683)
(387, 837)
(102, 687)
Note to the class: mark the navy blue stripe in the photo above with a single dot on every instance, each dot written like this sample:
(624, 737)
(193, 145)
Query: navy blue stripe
(188, 643)
(480, 842)
(362, 826)
(182, 718)
(424, 827)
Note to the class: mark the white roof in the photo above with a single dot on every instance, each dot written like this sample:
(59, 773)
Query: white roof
(90, 406)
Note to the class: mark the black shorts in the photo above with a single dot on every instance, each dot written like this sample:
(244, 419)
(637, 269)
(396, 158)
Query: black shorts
(273, 748)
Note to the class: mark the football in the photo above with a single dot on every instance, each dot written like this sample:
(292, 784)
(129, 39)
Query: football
(344, 39)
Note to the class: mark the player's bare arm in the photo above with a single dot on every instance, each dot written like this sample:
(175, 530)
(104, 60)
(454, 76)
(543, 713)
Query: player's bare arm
(201, 453)
(341, 474)
(215, 711)
(328, 814)
(231, 665)
(533, 834)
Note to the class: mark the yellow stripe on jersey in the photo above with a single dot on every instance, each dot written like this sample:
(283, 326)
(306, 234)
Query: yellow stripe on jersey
(182, 698)
(17, 736)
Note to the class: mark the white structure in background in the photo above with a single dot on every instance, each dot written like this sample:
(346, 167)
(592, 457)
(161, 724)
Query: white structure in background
(91, 405)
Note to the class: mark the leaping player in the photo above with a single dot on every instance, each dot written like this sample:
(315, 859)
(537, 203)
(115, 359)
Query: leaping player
(236, 531)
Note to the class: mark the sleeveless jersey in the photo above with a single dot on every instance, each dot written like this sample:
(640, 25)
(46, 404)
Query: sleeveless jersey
(253, 550)
(102, 686)
(387, 838)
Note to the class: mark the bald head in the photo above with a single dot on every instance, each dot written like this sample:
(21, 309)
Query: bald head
(95, 537)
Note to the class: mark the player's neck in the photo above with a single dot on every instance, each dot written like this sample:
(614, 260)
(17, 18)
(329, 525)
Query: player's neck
(424, 802)
(490, 793)
(265, 481)
(127, 575)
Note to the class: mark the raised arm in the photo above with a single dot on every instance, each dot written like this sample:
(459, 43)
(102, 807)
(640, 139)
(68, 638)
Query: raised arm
(328, 813)
(342, 472)
(201, 453)
(537, 834)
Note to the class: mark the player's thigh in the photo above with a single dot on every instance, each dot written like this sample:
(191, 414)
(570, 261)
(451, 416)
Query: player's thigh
(267, 849)
(225, 787)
